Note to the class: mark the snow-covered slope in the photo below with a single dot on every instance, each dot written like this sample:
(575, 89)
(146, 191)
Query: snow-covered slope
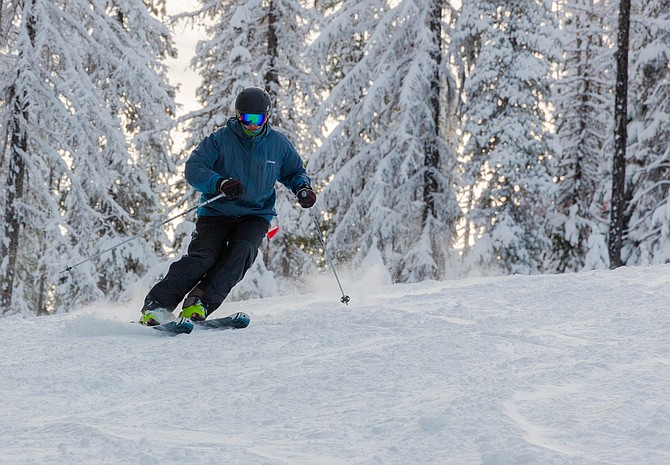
(571, 369)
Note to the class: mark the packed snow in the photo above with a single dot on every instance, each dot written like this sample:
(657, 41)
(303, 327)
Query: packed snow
(563, 369)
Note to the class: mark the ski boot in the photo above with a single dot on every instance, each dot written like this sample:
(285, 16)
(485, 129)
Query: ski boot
(196, 311)
(153, 314)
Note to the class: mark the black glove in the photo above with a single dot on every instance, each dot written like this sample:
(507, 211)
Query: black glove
(231, 188)
(306, 196)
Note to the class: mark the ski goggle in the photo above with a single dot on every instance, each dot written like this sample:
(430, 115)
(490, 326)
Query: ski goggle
(257, 119)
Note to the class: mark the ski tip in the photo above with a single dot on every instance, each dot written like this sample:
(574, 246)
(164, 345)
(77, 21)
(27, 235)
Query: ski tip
(243, 319)
(178, 326)
(237, 320)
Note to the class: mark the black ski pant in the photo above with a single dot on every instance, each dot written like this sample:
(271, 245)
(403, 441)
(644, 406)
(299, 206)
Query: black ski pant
(221, 251)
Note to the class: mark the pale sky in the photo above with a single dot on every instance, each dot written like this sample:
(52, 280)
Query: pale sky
(180, 72)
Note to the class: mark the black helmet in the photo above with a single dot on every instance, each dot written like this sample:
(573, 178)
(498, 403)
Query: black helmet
(253, 100)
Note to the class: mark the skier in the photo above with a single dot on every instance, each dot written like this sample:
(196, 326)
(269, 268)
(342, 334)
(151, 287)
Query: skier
(242, 160)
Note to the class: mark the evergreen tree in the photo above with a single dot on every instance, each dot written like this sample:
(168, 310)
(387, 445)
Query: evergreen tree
(82, 95)
(387, 166)
(584, 114)
(507, 157)
(648, 228)
(257, 43)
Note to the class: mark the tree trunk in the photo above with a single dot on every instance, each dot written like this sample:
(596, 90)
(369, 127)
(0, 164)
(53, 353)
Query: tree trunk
(432, 151)
(618, 203)
(271, 77)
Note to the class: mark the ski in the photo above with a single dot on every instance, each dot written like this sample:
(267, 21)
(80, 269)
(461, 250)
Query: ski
(237, 320)
(177, 326)
(174, 327)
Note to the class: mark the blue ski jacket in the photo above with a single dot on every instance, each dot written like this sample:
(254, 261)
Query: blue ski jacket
(258, 162)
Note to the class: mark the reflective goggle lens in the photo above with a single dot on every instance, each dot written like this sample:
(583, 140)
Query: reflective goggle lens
(257, 119)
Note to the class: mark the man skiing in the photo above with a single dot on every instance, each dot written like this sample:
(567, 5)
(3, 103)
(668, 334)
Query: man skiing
(242, 160)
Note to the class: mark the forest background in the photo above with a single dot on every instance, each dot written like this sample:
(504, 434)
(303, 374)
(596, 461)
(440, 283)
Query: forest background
(444, 138)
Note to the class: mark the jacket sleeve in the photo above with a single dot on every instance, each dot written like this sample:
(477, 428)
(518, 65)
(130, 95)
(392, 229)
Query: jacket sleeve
(293, 174)
(199, 168)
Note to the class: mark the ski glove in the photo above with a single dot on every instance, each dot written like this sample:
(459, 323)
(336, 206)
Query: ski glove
(231, 188)
(306, 196)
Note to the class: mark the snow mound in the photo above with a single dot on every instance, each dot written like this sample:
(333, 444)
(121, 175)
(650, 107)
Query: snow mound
(97, 324)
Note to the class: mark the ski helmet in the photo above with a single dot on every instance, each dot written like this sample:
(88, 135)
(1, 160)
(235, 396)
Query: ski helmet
(253, 100)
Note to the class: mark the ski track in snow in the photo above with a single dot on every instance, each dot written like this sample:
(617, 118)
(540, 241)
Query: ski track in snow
(571, 369)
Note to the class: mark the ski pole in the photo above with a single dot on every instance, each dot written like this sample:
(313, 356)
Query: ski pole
(149, 229)
(345, 298)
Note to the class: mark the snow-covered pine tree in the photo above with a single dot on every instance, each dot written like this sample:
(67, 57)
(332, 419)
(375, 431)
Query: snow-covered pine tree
(648, 229)
(256, 43)
(144, 101)
(584, 120)
(82, 95)
(290, 78)
(387, 167)
(508, 151)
